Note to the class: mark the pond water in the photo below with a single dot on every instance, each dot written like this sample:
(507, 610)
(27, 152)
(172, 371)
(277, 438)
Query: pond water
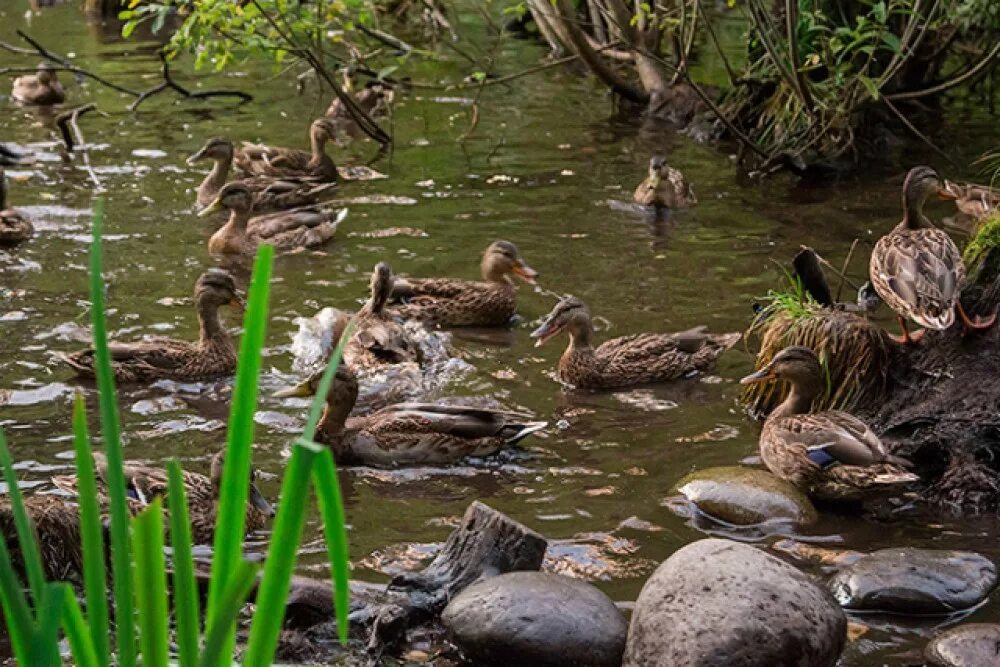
(544, 167)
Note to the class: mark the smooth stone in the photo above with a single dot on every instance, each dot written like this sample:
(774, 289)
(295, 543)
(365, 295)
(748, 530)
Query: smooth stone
(746, 496)
(538, 619)
(915, 581)
(972, 645)
(720, 603)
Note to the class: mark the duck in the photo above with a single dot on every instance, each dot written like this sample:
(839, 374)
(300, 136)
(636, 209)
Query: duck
(269, 193)
(374, 99)
(664, 187)
(830, 455)
(57, 527)
(41, 88)
(303, 227)
(408, 433)
(14, 227)
(260, 160)
(448, 302)
(378, 339)
(976, 201)
(143, 483)
(628, 360)
(917, 269)
(160, 358)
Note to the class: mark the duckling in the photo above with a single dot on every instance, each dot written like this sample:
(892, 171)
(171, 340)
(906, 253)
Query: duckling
(830, 455)
(305, 227)
(14, 227)
(269, 193)
(42, 88)
(976, 201)
(57, 527)
(491, 302)
(260, 160)
(158, 358)
(664, 187)
(379, 339)
(917, 269)
(629, 360)
(144, 483)
(408, 433)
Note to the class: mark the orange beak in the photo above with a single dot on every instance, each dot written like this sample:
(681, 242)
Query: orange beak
(946, 194)
(763, 375)
(525, 272)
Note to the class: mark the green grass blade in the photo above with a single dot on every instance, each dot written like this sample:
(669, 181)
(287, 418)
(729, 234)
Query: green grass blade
(281, 556)
(185, 587)
(25, 532)
(81, 644)
(319, 400)
(45, 649)
(95, 580)
(331, 507)
(16, 612)
(231, 520)
(230, 602)
(121, 562)
(151, 584)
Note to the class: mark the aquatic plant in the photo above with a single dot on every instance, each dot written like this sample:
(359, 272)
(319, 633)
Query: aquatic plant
(37, 620)
(986, 239)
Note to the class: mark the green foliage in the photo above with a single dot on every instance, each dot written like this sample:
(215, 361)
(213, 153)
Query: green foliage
(985, 240)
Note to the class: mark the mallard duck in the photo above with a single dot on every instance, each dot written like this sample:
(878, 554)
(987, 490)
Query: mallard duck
(305, 227)
(917, 269)
(664, 187)
(629, 360)
(269, 193)
(379, 339)
(57, 526)
(491, 302)
(408, 433)
(976, 201)
(374, 99)
(41, 88)
(14, 227)
(830, 455)
(160, 358)
(144, 483)
(259, 160)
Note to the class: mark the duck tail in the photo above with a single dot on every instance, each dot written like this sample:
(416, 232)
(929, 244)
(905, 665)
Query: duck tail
(893, 477)
(515, 433)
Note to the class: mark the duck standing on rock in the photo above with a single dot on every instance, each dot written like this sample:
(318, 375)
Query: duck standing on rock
(41, 88)
(447, 302)
(408, 433)
(917, 269)
(830, 455)
(260, 160)
(664, 187)
(629, 360)
(14, 227)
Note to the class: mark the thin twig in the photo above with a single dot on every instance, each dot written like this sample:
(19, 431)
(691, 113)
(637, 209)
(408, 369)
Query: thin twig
(843, 276)
(843, 271)
(791, 23)
(920, 135)
(718, 47)
(169, 84)
(956, 81)
(76, 140)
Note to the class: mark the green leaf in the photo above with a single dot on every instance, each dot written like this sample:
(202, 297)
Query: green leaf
(878, 9)
(151, 584)
(79, 635)
(25, 530)
(45, 645)
(319, 399)
(331, 506)
(218, 651)
(185, 587)
(892, 41)
(17, 613)
(869, 85)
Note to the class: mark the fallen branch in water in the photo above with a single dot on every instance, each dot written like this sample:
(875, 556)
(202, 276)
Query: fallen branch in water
(170, 84)
(73, 137)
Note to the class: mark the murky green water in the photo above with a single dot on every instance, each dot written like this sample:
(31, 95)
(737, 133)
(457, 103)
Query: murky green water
(567, 153)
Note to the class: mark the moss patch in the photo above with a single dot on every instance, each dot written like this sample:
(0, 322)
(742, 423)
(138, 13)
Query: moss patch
(987, 238)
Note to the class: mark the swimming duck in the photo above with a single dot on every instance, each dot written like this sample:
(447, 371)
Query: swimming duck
(304, 227)
(259, 160)
(976, 201)
(917, 269)
(144, 483)
(378, 338)
(14, 227)
(830, 455)
(269, 193)
(57, 526)
(629, 360)
(408, 433)
(41, 88)
(159, 358)
(374, 99)
(664, 187)
(491, 302)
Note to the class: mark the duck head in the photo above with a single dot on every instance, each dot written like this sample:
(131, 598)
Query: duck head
(254, 495)
(570, 314)
(503, 259)
(215, 288)
(797, 365)
(217, 148)
(233, 196)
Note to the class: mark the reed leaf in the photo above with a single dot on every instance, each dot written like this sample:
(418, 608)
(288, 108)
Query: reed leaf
(45, 645)
(331, 507)
(17, 613)
(185, 588)
(229, 602)
(151, 584)
(25, 531)
(80, 638)
(319, 400)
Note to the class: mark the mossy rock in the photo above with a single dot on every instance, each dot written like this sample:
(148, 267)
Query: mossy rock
(744, 496)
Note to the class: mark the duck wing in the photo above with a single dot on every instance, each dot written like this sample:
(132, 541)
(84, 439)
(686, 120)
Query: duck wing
(441, 288)
(460, 421)
(835, 437)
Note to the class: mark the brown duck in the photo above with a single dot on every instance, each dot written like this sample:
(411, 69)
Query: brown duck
(409, 433)
(41, 88)
(160, 358)
(629, 360)
(378, 339)
(664, 187)
(830, 455)
(305, 227)
(57, 527)
(917, 269)
(14, 227)
(491, 302)
(260, 160)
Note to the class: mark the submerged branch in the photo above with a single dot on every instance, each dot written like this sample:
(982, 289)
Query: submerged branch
(73, 137)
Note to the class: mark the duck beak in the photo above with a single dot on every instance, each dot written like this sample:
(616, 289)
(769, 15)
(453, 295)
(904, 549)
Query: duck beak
(654, 179)
(946, 193)
(260, 502)
(196, 157)
(239, 302)
(301, 390)
(545, 333)
(214, 207)
(763, 375)
(525, 272)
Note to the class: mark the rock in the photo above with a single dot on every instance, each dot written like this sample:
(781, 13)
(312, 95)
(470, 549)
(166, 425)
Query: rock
(746, 496)
(538, 619)
(915, 581)
(972, 645)
(717, 603)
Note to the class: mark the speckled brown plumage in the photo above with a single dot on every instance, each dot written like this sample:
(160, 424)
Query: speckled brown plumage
(261, 160)
(42, 88)
(629, 360)
(57, 527)
(664, 187)
(14, 227)
(159, 358)
(378, 339)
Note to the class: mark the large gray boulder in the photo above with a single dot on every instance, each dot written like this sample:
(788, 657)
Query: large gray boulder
(971, 645)
(727, 604)
(537, 619)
